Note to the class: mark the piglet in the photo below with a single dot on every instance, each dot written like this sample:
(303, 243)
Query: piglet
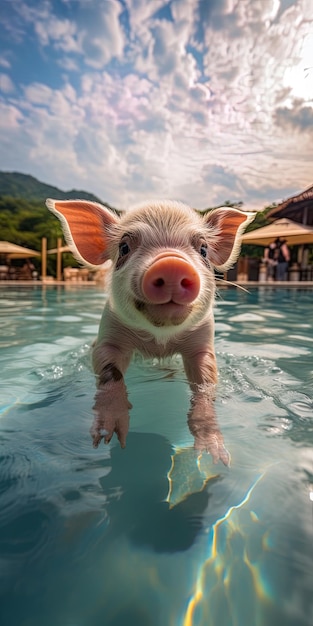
(160, 300)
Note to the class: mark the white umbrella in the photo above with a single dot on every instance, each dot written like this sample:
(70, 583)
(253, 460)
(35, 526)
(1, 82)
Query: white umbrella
(294, 233)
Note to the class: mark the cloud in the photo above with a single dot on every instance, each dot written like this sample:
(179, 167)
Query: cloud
(100, 33)
(92, 30)
(37, 93)
(298, 118)
(222, 179)
(10, 118)
(6, 84)
(140, 12)
(186, 99)
(5, 63)
(61, 33)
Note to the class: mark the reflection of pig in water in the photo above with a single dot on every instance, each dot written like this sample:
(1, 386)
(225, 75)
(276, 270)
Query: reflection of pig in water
(160, 300)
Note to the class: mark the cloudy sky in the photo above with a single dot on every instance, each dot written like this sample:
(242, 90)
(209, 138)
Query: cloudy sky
(196, 100)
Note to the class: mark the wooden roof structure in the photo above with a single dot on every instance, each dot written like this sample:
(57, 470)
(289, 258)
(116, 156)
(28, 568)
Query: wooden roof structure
(297, 208)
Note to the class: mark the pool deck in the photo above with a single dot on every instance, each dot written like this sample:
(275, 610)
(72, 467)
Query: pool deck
(305, 284)
(297, 284)
(49, 283)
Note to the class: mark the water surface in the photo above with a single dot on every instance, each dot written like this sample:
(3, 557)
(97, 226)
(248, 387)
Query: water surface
(88, 538)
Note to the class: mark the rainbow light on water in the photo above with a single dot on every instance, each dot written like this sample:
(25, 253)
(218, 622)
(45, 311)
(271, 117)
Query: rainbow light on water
(221, 568)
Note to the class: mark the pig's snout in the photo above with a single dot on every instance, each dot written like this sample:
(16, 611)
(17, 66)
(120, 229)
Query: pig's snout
(170, 278)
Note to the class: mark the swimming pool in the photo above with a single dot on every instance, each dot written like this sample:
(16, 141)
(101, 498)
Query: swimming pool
(147, 536)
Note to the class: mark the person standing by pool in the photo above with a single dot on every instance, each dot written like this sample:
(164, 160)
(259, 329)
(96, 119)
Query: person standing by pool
(283, 258)
(270, 260)
(277, 257)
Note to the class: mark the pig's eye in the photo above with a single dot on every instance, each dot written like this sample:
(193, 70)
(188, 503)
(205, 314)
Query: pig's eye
(124, 248)
(204, 250)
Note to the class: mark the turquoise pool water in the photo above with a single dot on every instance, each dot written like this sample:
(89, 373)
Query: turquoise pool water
(146, 536)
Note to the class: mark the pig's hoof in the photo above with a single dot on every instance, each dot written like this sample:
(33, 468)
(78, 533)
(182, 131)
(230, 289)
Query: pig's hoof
(104, 428)
(99, 433)
(220, 453)
(215, 446)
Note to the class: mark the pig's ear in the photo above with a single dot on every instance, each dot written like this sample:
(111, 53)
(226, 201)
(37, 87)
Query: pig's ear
(225, 226)
(86, 228)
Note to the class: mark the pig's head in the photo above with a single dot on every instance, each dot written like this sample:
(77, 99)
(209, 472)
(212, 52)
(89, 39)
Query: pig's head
(163, 258)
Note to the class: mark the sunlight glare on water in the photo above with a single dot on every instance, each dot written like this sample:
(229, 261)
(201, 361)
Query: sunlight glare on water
(151, 535)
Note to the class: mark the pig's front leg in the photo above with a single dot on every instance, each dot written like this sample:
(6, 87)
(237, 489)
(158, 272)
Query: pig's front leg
(111, 408)
(201, 372)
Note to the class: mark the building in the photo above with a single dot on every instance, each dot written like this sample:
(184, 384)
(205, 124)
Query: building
(297, 208)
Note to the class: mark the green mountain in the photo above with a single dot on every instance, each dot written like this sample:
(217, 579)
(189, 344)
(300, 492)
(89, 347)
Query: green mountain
(19, 185)
(24, 218)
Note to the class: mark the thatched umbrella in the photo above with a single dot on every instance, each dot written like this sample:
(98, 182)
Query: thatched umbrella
(13, 251)
(10, 251)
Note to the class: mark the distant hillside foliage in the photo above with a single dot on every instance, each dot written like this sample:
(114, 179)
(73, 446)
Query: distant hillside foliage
(19, 185)
(24, 218)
